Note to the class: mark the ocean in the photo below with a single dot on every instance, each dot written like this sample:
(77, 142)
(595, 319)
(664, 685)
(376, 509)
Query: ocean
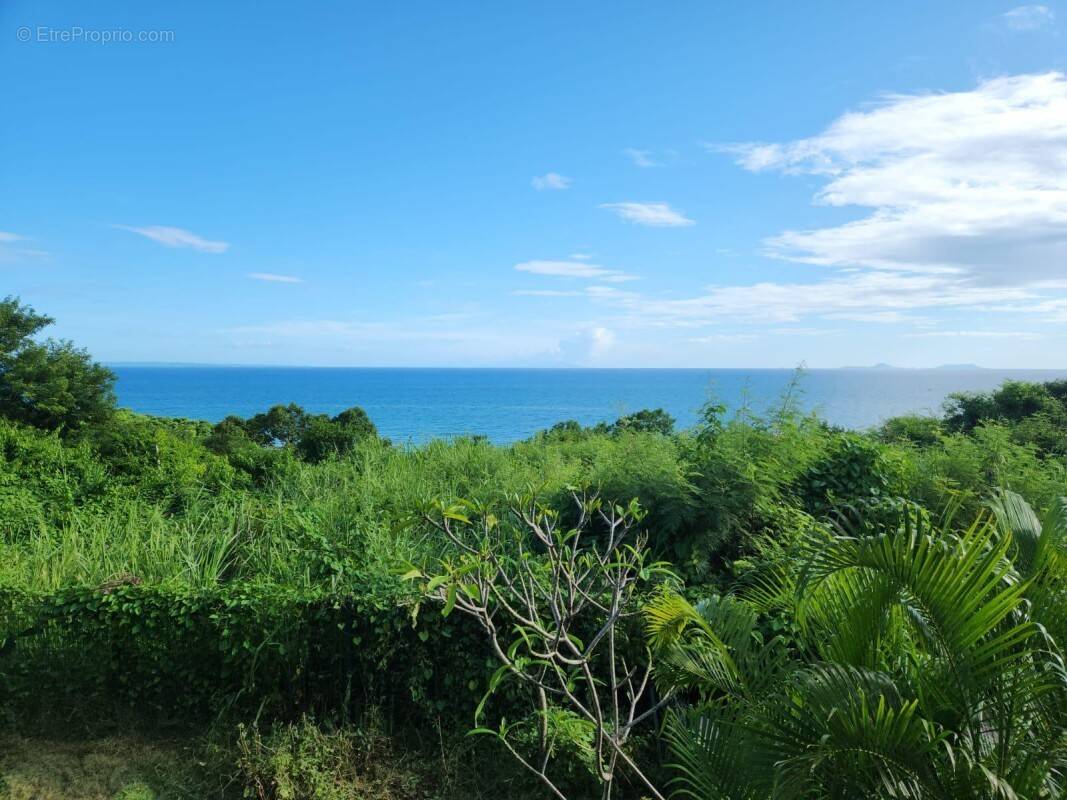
(415, 405)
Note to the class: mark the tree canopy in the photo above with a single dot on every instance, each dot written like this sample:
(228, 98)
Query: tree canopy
(51, 384)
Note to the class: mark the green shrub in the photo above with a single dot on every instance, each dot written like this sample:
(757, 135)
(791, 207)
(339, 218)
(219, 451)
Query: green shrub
(911, 429)
(324, 437)
(1037, 412)
(164, 462)
(854, 469)
(173, 650)
(313, 437)
(309, 760)
(967, 469)
(43, 479)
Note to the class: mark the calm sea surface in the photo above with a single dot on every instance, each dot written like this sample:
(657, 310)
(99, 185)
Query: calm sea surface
(509, 404)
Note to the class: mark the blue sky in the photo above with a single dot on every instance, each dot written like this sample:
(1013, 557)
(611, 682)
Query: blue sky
(523, 184)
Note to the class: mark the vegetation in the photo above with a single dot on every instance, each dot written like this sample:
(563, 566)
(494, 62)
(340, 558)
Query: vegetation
(557, 624)
(919, 663)
(289, 606)
(50, 384)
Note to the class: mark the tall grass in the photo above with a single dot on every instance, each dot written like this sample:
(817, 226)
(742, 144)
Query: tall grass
(333, 523)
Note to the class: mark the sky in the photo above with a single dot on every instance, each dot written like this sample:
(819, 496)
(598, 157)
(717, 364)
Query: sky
(595, 184)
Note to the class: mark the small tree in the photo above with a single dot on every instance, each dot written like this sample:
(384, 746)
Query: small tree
(654, 420)
(558, 605)
(323, 437)
(279, 426)
(52, 384)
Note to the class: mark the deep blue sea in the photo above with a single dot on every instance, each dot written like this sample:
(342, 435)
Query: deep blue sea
(414, 405)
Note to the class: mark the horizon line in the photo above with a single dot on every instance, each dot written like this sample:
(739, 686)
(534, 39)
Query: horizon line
(800, 367)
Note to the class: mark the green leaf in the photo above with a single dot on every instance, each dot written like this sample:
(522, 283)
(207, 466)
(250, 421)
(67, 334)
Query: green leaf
(450, 601)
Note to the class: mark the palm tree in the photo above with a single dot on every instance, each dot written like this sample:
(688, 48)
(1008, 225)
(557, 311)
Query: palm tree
(917, 663)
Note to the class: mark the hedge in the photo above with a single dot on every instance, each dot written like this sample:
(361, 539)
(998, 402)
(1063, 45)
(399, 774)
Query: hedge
(276, 650)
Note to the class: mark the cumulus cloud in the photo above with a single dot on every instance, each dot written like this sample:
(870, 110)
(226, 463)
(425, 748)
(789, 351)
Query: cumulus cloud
(574, 269)
(550, 180)
(963, 207)
(1029, 18)
(970, 183)
(656, 215)
(273, 278)
(601, 341)
(177, 237)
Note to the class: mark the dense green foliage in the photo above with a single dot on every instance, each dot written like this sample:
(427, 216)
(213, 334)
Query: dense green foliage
(249, 570)
(920, 662)
(50, 384)
(1036, 412)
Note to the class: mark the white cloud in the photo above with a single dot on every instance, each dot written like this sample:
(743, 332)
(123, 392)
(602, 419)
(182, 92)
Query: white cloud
(724, 338)
(545, 293)
(581, 256)
(601, 341)
(874, 296)
(1019, 335)
(966, 198)
(574, 269)
(177, 237)
(969, 183)
(640, 158)
(273, 278)
(873, 316)
(1029, 18)
(550, 180)
(657, 215)
(13, 255)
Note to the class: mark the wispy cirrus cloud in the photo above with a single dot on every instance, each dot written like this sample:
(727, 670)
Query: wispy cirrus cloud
(641, 158)
(19, 252)
(656, 215)
(550, 180)
(177, 237)
(1026, 336)
(274, 278)
(724, 338)
(574, 269)
(888, 317)
(873, 293)
(1029, 18)
(546, 293)
(880, 297)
